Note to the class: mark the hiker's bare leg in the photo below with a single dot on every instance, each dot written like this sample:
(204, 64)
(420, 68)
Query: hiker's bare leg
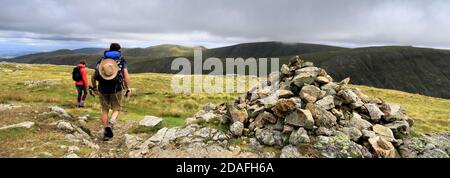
(105, 118)
(114, 116)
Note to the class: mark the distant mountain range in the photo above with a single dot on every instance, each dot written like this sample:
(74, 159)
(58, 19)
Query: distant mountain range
(13, 54)
(268, 49)
(415, 70)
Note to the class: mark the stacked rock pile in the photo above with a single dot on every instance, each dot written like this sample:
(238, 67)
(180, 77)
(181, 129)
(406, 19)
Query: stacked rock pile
(306, 107)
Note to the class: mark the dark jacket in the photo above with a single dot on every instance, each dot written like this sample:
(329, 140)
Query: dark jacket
(115, 85)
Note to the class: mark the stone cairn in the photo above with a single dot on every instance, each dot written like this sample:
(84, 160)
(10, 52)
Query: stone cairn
(307, 108)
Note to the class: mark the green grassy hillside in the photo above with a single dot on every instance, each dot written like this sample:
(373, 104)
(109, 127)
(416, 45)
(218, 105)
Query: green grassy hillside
(159, 51)
(268, 49)
(415, 70)
(153, 96)
(90, 51)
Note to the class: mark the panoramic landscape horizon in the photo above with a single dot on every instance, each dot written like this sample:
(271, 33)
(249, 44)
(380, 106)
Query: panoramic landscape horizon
(225, 79)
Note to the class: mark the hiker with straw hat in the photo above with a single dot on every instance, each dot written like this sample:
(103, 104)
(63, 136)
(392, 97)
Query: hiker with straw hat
(112, 76)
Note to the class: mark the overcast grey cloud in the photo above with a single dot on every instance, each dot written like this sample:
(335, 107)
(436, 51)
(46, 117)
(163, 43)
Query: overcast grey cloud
(212, 23)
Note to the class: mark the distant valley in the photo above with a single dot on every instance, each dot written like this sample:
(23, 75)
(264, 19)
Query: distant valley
(12, 54)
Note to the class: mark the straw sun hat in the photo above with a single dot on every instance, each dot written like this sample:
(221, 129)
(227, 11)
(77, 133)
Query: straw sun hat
(108, 69)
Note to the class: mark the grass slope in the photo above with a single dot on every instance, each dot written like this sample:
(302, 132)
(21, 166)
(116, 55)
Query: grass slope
(268, 49)
(153, 96)
(415, 70)
(159, 51)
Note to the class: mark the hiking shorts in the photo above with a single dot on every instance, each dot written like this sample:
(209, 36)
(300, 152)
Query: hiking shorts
(111, 101)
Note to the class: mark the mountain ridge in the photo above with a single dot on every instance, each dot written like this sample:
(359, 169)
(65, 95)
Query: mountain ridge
(268, 49)
(406, 68)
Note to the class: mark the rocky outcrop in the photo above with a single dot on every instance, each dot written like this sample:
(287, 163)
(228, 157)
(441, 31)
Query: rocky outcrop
(193, 141)
(340, 146)
(4, 107)
(150, 121)
(59, 112)
(75, 134)
(426, 146)
(309, 115)
(27, 125)
(303, 115)
(41, 83)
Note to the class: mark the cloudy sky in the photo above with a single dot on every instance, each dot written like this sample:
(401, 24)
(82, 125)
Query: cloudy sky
(52, 24)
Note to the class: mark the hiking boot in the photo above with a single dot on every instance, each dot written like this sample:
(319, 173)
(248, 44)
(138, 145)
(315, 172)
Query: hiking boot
(108, 132)
(105, 136)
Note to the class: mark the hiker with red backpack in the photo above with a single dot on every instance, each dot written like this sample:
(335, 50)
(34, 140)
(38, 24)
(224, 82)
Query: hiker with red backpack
(113, 80)
(79, 75)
